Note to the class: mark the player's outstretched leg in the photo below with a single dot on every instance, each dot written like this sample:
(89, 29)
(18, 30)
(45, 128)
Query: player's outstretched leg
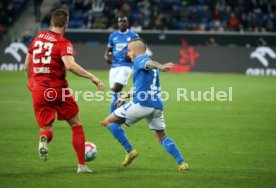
(115, 97)
(119, 134)
(45, 136)
(170, 146)
(78, 141)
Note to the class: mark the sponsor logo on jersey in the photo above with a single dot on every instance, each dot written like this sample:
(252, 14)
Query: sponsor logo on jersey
(120, 46)
(69, 49)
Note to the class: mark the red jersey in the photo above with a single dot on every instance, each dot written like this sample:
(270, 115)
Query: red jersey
(46, 67)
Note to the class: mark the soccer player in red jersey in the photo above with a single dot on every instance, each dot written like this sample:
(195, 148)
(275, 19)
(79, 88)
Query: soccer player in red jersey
(49, 55)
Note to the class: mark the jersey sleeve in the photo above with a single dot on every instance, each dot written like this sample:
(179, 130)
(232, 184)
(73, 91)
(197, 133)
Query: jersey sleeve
(136, 36)
(110, 43)
(66, 49)
(141, 62)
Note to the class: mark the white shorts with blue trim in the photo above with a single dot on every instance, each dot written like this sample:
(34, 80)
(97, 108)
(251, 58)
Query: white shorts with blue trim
(133, 113)
(119, 75)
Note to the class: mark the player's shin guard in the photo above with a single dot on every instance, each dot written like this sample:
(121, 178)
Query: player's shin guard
(78, 141)
(47, 133)
(172, 149)
(119, 133)
(115, 97)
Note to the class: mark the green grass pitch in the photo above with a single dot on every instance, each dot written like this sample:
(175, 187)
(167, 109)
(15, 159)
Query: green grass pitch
(227, 144)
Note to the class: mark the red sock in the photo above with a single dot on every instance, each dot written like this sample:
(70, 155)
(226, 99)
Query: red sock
(78, 140)
(47, 133)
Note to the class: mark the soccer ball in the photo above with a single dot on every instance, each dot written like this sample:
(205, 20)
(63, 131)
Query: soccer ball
(90, 151)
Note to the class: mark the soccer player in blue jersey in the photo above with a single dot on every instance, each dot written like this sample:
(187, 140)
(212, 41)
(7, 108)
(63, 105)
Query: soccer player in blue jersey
(116, 55)
(121, 69)
(147, 103)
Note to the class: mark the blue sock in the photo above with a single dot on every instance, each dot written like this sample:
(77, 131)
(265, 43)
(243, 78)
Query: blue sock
(172, 149)
(115, 97)
(119, 133)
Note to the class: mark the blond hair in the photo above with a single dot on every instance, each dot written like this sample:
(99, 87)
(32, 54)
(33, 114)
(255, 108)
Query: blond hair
(139, 44)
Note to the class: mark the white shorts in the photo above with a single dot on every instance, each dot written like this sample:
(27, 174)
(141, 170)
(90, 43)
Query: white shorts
(119, 75)
(132, 113)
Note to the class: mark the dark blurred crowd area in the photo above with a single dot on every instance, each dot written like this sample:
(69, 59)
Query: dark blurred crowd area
(256, 16)
(9, 12)
(190, 15)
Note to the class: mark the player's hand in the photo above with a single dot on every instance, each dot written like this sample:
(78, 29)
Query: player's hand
(120, 101)
(109, 58)
(167, 66)
(98, 83)
(100, 86)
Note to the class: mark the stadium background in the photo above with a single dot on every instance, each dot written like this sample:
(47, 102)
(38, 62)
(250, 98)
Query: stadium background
(228, 144)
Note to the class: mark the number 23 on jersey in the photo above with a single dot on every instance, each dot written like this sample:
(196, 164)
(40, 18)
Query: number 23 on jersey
(43, 53)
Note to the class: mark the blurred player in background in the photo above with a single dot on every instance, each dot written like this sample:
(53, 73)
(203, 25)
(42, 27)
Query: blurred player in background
(48, 57)
(121, 69)
(147, 103)
(116, 55)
